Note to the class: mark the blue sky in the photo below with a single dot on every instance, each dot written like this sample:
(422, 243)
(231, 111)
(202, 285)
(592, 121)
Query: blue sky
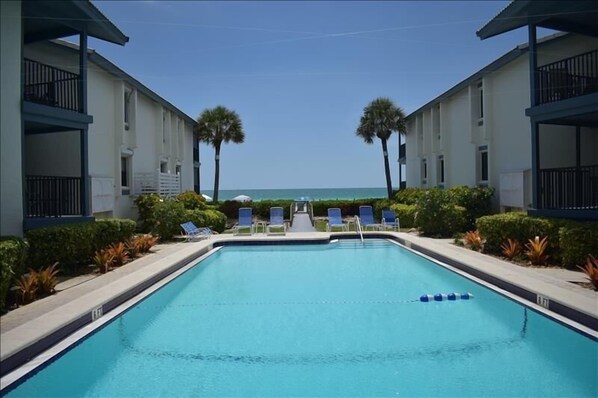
(299, 75)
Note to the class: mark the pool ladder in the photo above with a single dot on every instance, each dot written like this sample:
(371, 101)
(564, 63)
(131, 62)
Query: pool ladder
(358, 228)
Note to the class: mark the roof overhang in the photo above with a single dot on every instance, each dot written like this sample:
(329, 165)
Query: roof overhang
(44, 20)
(575, 16)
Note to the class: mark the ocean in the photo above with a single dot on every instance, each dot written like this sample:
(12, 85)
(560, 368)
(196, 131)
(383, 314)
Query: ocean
(313, 193)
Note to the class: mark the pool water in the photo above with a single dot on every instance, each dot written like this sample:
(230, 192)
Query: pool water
(341, 319)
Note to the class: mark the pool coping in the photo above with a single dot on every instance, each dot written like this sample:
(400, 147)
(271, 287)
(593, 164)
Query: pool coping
(24, 342)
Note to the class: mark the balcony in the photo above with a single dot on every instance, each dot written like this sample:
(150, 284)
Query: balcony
(573, 188)
(567, 78)
(163, 184)
(50, 196)
(50, 86)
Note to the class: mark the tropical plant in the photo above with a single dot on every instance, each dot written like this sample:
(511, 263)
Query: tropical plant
(536, 250)
(145, 242)
(192, 200)
(27, 288)
(46, 279)
(119, 253)
(473, 240)
(591, 271)
(511, 248)
(103, 260)
(132, 248)
(217, 126)
(380, 119)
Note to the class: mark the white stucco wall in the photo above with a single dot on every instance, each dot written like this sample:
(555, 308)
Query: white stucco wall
(505, 129)
(11, 192)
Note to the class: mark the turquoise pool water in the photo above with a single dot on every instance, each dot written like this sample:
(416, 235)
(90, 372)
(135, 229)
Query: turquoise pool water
(341, 319)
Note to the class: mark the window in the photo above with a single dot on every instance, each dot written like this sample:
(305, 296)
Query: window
(441, 170)
(424, 171)
(483, 163)
(125, 175)
(480, 104)
(163, 127)
(177, 169)
(163, 167)
(127, 104)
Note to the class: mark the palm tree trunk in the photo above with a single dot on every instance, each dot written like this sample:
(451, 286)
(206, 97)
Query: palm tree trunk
(387, 169)
(216, 172)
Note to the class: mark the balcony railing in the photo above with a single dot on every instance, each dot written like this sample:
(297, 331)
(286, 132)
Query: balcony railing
(163, 184)
(47, 85)
(48, 196)
(567, 78)
(569, 188)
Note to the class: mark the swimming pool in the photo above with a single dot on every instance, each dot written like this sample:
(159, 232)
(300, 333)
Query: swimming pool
(329, 320)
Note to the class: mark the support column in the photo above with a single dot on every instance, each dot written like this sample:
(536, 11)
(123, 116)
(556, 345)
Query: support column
(578, 175)
(535, 134)
(533, 64)
(535, 128)
(85, 191)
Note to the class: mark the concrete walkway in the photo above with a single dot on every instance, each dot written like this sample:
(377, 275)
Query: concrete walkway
(37, 322)
(302, 223)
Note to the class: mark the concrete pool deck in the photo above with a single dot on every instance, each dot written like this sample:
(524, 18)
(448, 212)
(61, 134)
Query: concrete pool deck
(24, 332)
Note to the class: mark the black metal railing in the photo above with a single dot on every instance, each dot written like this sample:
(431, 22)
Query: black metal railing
(569, 188)
(567, 78)
(48, 196)
(47, 85)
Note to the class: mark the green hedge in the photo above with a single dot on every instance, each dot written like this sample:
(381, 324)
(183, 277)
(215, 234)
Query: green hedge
(577, 242)
(213, 219)
(405, 214)
(476, 201)
(74, 245)
(569, 242)
(497, 228)
(437, 215)
(13, 255)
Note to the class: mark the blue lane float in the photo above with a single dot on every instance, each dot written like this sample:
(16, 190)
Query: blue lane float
(426, 298)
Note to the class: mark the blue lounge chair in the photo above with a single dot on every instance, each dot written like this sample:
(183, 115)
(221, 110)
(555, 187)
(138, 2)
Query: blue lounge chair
(366, 218)
(390, 220)
(335, 220)
(192, 232)
(245, 221)
(276, 221)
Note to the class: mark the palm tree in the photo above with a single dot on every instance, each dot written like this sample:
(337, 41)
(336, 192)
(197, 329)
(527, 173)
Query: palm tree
(380, 119)
(215, 126)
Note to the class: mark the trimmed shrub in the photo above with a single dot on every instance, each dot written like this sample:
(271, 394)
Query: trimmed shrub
(410, 196)
(405, 214)
(577, 242)
(74, 245)
(477, 201)
(146, 204)
(437, 215)
(230, 208)
(112, 230)
(213, 219)
(168, 215)
(192, 200)
(498, 228)
(13, 254)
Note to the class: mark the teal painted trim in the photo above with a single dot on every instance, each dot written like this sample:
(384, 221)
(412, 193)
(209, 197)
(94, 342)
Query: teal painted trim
(44, 114)
(585, 214)
(566, 108)
(43, 222)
